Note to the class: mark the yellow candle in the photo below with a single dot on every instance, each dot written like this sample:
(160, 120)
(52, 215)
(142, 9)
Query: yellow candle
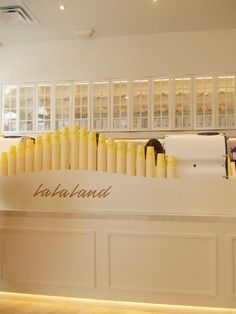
(92, 151)
(74, 148)
(102, 153)
(150, 162)
(171, 167)
(83, 149)
(140, 161)
(56, 150)
(3, 164)
(161, 166)
(47, 151)
(20, 158)
(130, 159)
(111, 155)
(65, 149)
(38, 153)
(12, 161)
(120, 157)
(29, 156)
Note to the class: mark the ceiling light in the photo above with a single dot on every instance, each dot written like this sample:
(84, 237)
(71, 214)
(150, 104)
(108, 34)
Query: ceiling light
(62, 7)
(154, 0)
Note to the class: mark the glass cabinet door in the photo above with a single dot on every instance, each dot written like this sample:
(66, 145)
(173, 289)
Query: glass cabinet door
(10, 111)
(81, 104)
(63, 106)
(225, 103)
(204, 103)
(120, 105)
(26, 107)
(182, 103)
(44, 107)
(140, 105)
(100, 106)
(160, 104)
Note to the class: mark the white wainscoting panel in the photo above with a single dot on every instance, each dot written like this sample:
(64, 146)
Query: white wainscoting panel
(49, 256)
(232, 239)
(163, 263)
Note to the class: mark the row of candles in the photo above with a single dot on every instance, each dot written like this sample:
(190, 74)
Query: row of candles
(79, 150)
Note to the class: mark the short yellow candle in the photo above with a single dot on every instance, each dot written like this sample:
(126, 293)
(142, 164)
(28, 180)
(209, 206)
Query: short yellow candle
(120, 157)
(38, 153)
(65, 149)
(3, 164)
(83, 149)
(161, 166)
(140, 161)
(20, 158)
(171, 167)
(56, 150)
(150, 162)
(111, 155)
(29, 156)
(47, 151)
(130, 159)
(92, 151)
(12, 161)
(102, 153)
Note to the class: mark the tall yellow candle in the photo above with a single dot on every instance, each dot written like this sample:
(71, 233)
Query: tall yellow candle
(140, 161)
(12, 161)
(74, 148)
(56, 150)
(83, 149)
(3, 164)
(102, 153)
(111, 155)
(38, 153)
(161, 166)
(171, 167)
(130, 159)
(92, 151)
(29, 156)
(120, 157)
(150, 162)
(65, 149)
(47, 151)
(20, 158)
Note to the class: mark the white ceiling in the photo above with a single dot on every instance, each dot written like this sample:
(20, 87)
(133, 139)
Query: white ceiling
(118, 18)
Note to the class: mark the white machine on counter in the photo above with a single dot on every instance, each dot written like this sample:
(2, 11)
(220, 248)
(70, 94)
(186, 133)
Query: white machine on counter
(198, 155)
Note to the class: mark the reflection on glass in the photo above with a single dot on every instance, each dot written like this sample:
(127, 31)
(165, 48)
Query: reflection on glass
(44, 107)
(160, 104)
(120, 90)
(100, 105)
(81, 104)
(140, 104)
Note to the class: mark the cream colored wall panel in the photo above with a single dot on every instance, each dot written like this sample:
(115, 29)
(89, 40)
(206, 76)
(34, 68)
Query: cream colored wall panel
(163, 263)
(232, 274)
(48, 256)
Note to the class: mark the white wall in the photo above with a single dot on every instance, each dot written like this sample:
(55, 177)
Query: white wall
(121, 57)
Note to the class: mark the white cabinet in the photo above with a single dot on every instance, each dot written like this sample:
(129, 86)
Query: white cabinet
(44, 107)
(161, 113)
(81, 104)
(140, 110)
(182, 103)
(9, 108)
(204, 103)
(26, 108)
(120, 106)
(100, 114)
(225, 102)
(63, 105)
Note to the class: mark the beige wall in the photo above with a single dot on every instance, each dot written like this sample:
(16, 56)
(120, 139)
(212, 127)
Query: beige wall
(121, 57)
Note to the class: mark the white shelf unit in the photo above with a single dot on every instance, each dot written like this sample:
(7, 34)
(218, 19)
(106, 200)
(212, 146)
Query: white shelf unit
(204, 102)
(10, 108)
(225, 102)
(120, 99)
(182, 103)
(140, 108)
(44, 100)
(81, 104)
(63, 105)
(26, 108)
(100, 111)
(161, 104)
